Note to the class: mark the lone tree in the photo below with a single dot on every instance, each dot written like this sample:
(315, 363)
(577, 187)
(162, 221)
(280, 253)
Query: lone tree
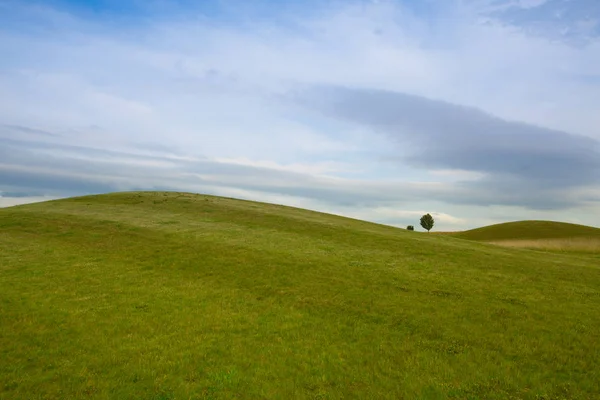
(410, 228)
(427, 222)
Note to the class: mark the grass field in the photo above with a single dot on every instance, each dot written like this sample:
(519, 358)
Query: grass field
(180, 296)
(542, 235)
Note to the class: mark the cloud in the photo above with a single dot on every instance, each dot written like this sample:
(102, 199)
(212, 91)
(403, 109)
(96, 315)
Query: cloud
(407, 105)
(75, 169)
(20, 130)
(576, 21)
(70, 170)
(513, 157)
(8, 201)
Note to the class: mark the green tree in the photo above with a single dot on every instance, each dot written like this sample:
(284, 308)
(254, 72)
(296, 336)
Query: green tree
(427, 222)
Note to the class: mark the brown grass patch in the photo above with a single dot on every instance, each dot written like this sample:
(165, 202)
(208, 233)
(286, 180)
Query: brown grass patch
(591, 245)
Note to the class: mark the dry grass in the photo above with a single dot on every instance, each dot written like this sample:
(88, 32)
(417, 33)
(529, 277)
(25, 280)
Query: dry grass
(530, 230)
(591, 245)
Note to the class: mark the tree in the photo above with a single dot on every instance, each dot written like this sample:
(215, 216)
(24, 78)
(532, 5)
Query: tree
(427, 222)
(410, 228)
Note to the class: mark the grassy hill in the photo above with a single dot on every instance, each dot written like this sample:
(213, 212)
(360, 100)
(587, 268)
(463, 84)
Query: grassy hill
(546, 235)
(529, 230)
(181, 296)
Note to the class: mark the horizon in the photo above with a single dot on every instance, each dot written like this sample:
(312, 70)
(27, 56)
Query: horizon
(475, 111)
(416, 225)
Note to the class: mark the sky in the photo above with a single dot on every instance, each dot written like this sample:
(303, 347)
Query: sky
(475, 111)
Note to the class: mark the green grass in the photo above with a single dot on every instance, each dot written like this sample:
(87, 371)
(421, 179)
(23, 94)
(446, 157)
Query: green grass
(527, 230)
(180, 296)
(540, 235)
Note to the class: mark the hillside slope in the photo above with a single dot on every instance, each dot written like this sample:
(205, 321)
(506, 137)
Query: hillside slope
(540, 235)
(180, 296)
(529, 230)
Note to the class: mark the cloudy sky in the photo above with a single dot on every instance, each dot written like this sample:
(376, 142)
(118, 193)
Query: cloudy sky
(476, 111)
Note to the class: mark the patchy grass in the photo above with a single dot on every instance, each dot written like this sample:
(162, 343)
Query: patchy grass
(180, 296)
(530, 230)
(539, 235)
(586, 245)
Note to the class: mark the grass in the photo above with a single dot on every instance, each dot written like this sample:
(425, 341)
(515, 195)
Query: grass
(588, 245)
(522, 230)
(542, 235)
(178, 296)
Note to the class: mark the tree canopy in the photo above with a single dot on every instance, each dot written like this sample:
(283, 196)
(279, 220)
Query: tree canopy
(427, 222)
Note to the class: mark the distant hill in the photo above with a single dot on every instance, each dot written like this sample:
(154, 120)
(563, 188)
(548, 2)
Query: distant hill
(520, 230)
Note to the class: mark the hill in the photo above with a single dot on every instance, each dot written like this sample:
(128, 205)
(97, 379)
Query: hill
(545, 235)
(176, 296)
(529, 230)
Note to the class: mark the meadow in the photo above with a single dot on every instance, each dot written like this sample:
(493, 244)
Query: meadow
(156, 295)
(542, 235)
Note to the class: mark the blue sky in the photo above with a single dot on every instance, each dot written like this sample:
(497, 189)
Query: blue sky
(477, 111)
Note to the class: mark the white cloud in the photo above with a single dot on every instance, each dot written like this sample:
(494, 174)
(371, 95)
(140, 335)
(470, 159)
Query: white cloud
(457, 174)
(215, 91)
(15, 201)
(531, 3)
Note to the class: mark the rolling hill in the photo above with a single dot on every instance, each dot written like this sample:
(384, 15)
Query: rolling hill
(155, 295)
(529, 230)
(545, 235)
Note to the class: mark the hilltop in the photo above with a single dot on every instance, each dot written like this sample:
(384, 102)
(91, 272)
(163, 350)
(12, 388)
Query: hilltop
(160, 295)
(545, 235)
(529, 230)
